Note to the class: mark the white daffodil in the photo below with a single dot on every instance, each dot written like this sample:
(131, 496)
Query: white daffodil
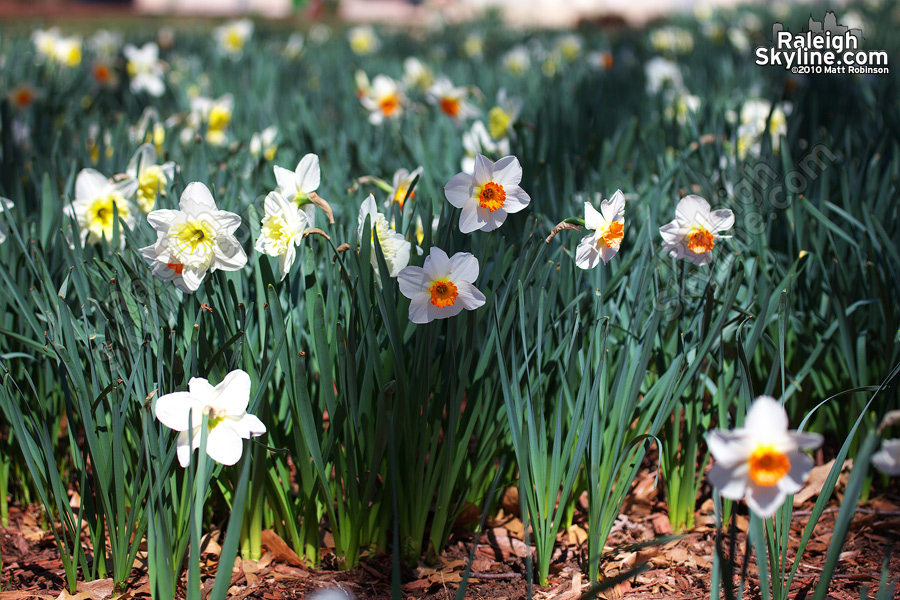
(417, 75)
(263, 143)
(145, 70)
(401, 184)
(363, 40)
(194, 240)
(600, 60)
(487, 195)
(97, 199)
(384, 100)
(442, 287)
(503, 116)
(683, 107)
(662, 74)
(609, 229)
(5, 204)
(50, 44)
(887, 460)
(473, 46)
(393, 245)
(569, 46)
(151, 178)
(517, 60)
(695, 230)
(149, 129)
(232, 36)
(672, 40)
(228, 422)
(105, 43)
(762, 461)
(294, 47)
(298, 184)
(453, 101)
(216, 114)
(755, 114)
(282, 230)
(478, 141)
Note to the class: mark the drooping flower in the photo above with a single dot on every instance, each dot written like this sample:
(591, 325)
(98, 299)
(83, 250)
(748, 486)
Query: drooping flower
(762, 461)
(282, 230)
(298, 184)
(151, 178)
(477, 141)
(228, 422)
(442, 287)
(232, 36)
(97, 200)
(887, 460)
(5, 204)
(363, 40)
(487, 195)
(452, 100)
(393, 245)
(401, 184)
(263, 143)
(145, 70)
(608, 227)
(694, 232)
(384, 100)
(194, 240)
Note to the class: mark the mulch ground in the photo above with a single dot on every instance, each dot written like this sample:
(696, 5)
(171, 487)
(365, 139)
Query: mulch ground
(679, 569)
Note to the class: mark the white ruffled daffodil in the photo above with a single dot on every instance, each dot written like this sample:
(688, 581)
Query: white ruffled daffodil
(477, 141)
(282, 230)
(401, 184)
(363, 40)
(393, 245)
(452, 100)
(298, 184)
(887, 460)
(145, 70)
(442, 287)
(608, 227)
(696, 229)
(152, 179)
(216, 114)
(228, 422)
(384, 100)
(97, 200)
(194, 240)
(263, 143)
(488, 194)
(761, 462)
(232, 36)
(5, 204)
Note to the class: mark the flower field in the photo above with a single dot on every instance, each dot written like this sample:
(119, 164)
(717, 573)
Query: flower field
(350, 300)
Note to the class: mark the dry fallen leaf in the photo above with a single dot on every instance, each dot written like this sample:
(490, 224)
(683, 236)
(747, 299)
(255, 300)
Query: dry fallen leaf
(281, 552)
(816, 481)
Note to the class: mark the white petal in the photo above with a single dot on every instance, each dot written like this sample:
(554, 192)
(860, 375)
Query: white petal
(494, 219)
(247, 425)
(887, 459)
(437, 264)
(731, 482)
(144, 157)
(419, 312)
(507, 171)
(287, 181)
(793, 481)
(728, 448)
(89, 184)
(162, 219)
(459, 190)
(764, 500)
(308, 174)
(592, 218)
(202, 390)
(224, 445)
(692, 209)
(233, 393)
(411, 281)
(721, 220)
(472, 218)
(766, 419)
(184, 449)
(469, 297)
(464, 267)
(586, 254)
(614, 208)
(173, 410)
(516, 199)
(229, 255)
(483, 170)
(197, 199)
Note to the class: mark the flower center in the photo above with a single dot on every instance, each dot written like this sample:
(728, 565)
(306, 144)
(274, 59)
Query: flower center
(498, 122)
(700, 240)
(99, 215)
(219, 118)
(234, 41)
(389, 104)
(613, 234)
(400, 195)
(275, 231)
(450, 106)
(301, 198)
(192, 242)
(102, 73)
(443, 293)
(768, 465)
(23, 97)
(491, 196)
(151, 181)
(73, 56)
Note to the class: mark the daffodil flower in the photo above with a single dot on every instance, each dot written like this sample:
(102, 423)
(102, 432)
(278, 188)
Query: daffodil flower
(609, 229)
(298, 184)
(5, 204)
(145, 70)
(442, 287)
(453, 101)
(263, 143)
(488, 195)
(477, 141)
(363, 40)
(393, 245)
(60, 49)
(195, 240)
(151, 178)
(228, 422)
(231, 37)
(694, 232)
(401, 184)
(517, 60)
(662, 74)
(384, 100)
(762, 461)
(755, 115)
(503, 116)
(887, 460)
(97, 199)
(216, 114)
(22, 96)
(282, 230)
(416, 74)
